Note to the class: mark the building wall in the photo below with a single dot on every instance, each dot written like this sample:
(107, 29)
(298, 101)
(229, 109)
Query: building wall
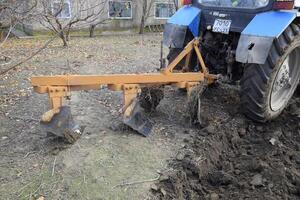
(110, 24)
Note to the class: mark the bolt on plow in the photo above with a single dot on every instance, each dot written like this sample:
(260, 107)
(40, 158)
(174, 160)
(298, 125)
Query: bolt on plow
(141, 92)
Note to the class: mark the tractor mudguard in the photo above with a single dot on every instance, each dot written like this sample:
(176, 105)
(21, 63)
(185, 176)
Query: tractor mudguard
(186, 18)
(257, 38)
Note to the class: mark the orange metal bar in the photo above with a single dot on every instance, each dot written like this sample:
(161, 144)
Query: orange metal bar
(189, 47)
(200, 58)
(82, 80)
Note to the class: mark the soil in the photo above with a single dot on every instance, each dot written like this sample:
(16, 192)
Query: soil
(35, 164)
(235, 158)
(230, 157)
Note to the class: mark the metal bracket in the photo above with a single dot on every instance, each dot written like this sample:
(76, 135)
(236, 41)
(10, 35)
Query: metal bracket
(130, 93)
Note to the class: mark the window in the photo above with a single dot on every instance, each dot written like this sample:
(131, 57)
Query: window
(164, 10)
(120, 9)
(62, 9)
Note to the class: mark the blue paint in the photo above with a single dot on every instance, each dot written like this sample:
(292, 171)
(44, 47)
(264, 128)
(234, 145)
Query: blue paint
(187, 16)
(194, 26)
(269, 24)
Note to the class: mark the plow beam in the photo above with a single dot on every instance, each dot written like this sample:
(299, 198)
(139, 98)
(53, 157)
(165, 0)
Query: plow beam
(58, 87)
(80, 82)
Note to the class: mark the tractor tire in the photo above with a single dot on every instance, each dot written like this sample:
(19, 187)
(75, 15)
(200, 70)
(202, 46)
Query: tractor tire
(267, 88)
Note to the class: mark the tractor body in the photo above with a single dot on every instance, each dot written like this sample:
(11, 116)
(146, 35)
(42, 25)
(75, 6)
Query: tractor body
(232, 30)
(251, 42)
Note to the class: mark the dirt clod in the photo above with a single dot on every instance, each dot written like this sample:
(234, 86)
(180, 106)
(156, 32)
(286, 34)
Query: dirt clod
(294, 110)
(164, 193)
(180, 156)
(4, 138)
(214, 196)
(257, 180)
(219, 178)
(210, 129)
(242, 132)
(154, 187)
(273, 141)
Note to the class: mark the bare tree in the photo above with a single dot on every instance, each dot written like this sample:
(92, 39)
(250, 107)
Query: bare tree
(62, 15)
(13, 13)
(99, 18)
(92, 15)
(146, 9)
(176, 4)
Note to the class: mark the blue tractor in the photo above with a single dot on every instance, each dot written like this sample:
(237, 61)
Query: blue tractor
(255, 43)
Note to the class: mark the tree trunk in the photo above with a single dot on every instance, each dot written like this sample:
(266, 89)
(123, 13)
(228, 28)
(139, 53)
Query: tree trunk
(144, 13)
(63, 38)
(176, 4)
(92, 30)
(65, 42)
(142, 26)
(68, 35)
(1, 35)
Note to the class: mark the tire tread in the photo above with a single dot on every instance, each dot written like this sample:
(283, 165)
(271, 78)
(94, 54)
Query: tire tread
(254, 83)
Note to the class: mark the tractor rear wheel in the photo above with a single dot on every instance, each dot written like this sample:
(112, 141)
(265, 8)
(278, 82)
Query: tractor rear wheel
(267, 88)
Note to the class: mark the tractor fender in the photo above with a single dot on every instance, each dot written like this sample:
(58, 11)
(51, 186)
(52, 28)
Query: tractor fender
(175, 30)
(257, 38)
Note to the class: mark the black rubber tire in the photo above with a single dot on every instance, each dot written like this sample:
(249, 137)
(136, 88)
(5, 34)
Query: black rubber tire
(257, 81)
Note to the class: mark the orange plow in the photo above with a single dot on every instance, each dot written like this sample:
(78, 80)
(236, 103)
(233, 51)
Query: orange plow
(60, 87)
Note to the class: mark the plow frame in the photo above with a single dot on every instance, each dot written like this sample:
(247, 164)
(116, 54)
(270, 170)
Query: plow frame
(59, 87)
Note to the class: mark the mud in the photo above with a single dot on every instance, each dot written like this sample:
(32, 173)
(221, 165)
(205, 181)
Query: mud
(235, 158)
